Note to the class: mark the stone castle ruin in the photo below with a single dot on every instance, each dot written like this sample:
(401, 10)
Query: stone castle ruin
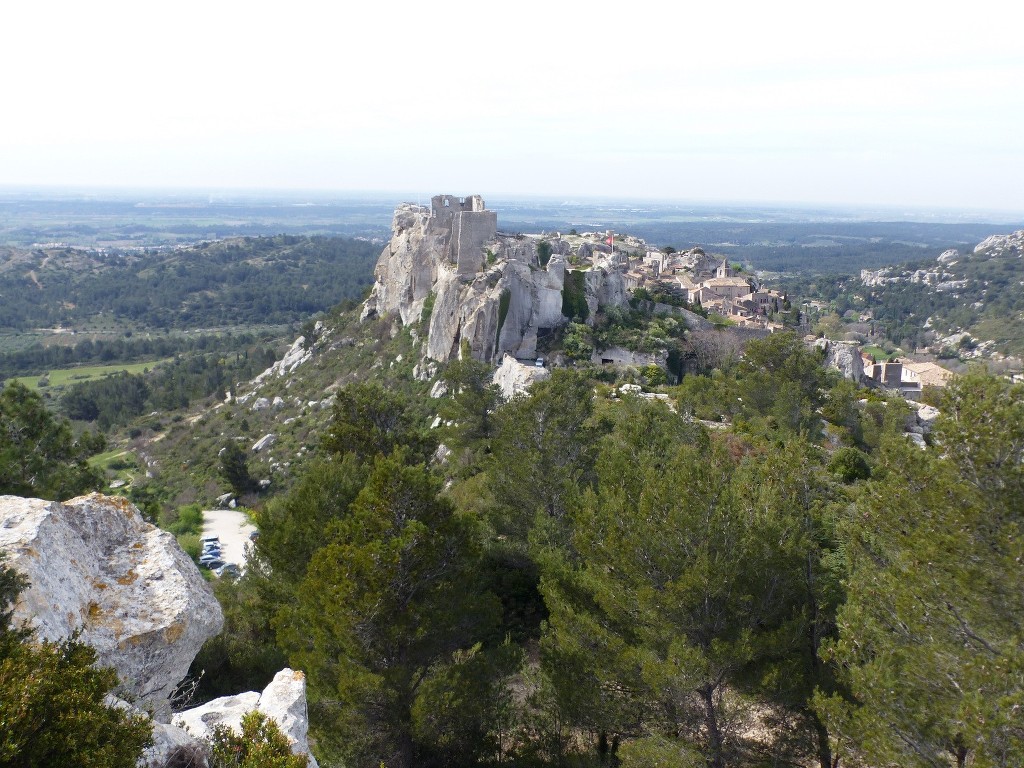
(486, 288)
(467, 226)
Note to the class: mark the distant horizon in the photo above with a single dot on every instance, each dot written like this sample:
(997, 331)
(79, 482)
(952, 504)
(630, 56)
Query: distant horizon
(899, 212)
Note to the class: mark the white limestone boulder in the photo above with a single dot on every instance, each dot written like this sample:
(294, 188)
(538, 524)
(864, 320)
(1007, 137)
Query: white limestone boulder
(283, 701)
(264, 442)
(95, 566)
(513, 377)
(296, 355)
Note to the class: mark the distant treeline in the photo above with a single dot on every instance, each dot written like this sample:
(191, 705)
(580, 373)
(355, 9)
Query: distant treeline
(118, 399)
(274, 280)
(38, 359)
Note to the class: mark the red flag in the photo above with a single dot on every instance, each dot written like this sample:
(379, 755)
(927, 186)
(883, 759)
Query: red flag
(611, 239)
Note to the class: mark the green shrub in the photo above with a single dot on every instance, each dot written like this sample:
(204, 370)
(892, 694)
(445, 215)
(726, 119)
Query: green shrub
(849, 465)
(260, 745)
(428, 309)
(183, 520)
(191, 543)
(543, 252)
(574, 296)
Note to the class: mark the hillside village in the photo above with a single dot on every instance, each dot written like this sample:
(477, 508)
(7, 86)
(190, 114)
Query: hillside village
(449, 268)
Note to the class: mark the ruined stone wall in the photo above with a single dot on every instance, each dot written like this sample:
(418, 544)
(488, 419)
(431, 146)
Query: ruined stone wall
(471, 231)
(447, 205)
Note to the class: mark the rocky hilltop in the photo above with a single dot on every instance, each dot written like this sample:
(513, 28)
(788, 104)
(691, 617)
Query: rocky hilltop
(496, 291)
(969, 303)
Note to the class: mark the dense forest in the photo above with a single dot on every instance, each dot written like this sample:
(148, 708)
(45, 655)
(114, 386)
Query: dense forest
(247, 282)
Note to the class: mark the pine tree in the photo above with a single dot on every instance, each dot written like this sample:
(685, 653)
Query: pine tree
(384, 606)
(930, 638)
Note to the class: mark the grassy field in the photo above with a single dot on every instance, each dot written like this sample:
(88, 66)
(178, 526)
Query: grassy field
(58, 379)
(118, 464)
(878, 352)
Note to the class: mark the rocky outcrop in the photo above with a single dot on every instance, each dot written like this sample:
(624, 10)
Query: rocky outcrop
(622, 356)
(283, 701)
(297, 354)
(95, 566)
(498, 303)
(514, 378)
(408, 266)
(1003, 245)
(844, 357)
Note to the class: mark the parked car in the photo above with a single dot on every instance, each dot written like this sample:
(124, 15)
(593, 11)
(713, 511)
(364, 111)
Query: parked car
(211, 561)
(228, 569)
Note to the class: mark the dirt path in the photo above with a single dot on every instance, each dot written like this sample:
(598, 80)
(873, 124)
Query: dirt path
(233, 529)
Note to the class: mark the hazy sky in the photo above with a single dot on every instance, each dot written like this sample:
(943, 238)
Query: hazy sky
(904, 103)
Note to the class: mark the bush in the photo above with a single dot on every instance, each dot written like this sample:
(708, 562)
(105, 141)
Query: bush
(260, 745)
(191, 543)
(543, 252)
(53, 706)
(850, 465)
(183, 520)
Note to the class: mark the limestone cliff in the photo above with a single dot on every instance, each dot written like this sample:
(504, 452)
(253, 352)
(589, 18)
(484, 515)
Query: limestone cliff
(486, 288)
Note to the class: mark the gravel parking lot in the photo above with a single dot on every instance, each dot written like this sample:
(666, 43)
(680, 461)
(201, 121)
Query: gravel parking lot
(233, 529)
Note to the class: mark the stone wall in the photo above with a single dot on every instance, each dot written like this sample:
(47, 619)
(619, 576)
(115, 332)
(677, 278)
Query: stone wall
(471, 231)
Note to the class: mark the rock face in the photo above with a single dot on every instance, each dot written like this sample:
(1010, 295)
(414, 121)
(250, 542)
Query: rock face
(1003, 245)
(844, 357)
(513, 377)
(283, 701)
(492, 293)
(95, 565)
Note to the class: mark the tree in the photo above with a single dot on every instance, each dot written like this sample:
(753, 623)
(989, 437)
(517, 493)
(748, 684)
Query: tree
(383, 608)
(576, 343)
(53, 700)
(368, 421)
(930, 637)
(543, 451)
(473, 398)
(234, 468)
(39, 455)
(292, 527)
(781, 378)
(667, 602)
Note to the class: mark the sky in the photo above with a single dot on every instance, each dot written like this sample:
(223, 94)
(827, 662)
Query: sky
(898, 103)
